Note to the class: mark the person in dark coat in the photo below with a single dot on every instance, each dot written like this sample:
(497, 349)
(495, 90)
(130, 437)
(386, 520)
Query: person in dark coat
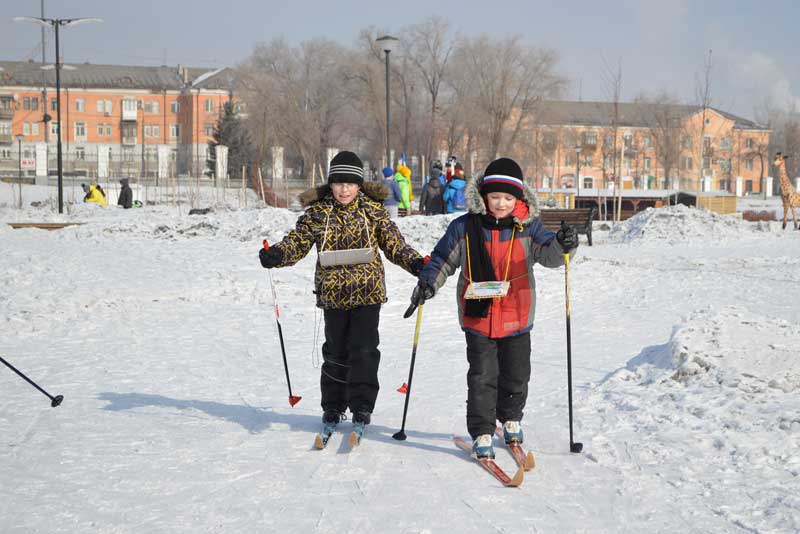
(346, 216)
(431, 201)
(125, 195)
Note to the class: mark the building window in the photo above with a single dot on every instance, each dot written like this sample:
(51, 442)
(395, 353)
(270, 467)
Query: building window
(608, 141)
(748, 143)
(147, 130)
(748, 164)
(80, 129)
(209, 130)
(5, 153)
(108, 106)
(108, 129)
(724, 164)
(748, 186)
(99, 106)
(726, 143)
(34, 128)
(156, 130)
(688, 143)
(26, 102)
(607, 161)
(80, 104)
(26, 128)
(628, 138)
(27, 153)
(80, 153)
(706, 162)
(646, 141)
(590, 138)
(569, 160)
(53, 104)
(646, 162)
(175, 130)
(5, 128)
(209, 106)
(175, 107)
(587, 161)
(53, 127)
(101, 129)
(687, 163)
(129, 105)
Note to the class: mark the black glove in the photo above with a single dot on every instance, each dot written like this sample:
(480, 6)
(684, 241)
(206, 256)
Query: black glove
(418, 264)
(424, 291)
(567, 237)
(270, 257)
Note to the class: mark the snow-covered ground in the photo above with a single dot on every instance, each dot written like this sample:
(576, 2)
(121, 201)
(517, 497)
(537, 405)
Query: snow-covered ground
(157, 328)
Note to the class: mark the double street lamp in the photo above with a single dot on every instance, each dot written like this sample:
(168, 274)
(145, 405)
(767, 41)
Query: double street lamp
(56, 24)
(387, 43)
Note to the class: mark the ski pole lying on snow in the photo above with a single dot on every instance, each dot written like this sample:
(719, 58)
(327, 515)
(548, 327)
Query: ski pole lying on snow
(401, 435)
(54, 401)
(292, 398)
(573, 446)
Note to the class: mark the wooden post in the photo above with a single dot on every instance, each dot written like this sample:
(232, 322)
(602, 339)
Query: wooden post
(313, 176)
(244, 189)
(261, 184)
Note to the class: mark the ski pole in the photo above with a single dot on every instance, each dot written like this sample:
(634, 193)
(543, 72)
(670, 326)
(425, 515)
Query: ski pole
(400, 434)
(292, 398)
(54, 401)
(573, 446)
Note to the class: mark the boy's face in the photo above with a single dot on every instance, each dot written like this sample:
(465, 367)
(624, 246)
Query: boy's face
(500, 204)
(345, 192)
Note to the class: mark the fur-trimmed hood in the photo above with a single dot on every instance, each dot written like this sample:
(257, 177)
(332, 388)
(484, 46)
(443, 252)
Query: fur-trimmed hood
(475, 203)
(375, 190)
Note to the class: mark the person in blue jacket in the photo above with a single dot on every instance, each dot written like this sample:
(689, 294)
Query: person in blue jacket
(454, 196)
(391, 202)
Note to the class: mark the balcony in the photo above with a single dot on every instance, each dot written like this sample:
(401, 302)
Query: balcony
(6, 114)
(130, 140)
(6, 139)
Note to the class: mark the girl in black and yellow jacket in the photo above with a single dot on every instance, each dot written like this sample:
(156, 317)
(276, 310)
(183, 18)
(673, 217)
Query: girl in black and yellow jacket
(347, 222)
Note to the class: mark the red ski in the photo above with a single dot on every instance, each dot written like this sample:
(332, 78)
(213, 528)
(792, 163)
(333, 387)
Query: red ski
(524, 459)
(492, 467)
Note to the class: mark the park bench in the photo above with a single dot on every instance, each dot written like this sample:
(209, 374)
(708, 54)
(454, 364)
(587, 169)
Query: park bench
(578, 218)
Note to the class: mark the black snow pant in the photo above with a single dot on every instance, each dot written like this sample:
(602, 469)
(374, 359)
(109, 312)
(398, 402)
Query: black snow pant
(351, 358)
(497, 380)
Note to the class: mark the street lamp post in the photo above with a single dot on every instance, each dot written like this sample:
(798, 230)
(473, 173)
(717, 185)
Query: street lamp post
(577, 172)
(19, 161)
(56, 24)
(387, 43)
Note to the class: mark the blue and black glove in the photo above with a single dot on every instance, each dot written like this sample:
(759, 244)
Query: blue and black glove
(567, 237)
(418, 264)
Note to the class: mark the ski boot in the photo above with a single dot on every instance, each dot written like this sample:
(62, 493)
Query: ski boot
(512, 432)
(482, 448)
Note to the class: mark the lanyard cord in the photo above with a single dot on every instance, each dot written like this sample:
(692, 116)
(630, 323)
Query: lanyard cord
(327, 223)
(508, 262)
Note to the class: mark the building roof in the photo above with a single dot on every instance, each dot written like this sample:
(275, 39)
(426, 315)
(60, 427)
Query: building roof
(29, 73)
(630, 114)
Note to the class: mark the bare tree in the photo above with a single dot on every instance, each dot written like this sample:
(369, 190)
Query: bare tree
(612, 80)
(664, 118)
(429, 47)
(506, 81)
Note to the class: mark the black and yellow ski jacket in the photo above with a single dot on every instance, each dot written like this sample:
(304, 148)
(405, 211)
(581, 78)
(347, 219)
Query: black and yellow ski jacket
(362, 223)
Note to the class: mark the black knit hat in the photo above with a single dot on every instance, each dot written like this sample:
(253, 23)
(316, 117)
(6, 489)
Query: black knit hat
(346, 167)
(503, 176)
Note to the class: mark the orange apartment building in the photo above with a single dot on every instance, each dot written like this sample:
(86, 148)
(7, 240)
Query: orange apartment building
(118, 121)
(708, 150)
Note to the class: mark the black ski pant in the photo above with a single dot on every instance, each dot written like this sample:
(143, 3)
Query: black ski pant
(351, 358)
(497, 380)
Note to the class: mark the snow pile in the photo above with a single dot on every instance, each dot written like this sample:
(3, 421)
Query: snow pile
(724, 389)
(680, 223)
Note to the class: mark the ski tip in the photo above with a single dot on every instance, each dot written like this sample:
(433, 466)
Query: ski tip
(318, 444)
(530, 461)
(519, 476)
(294, 400)
(353, 441)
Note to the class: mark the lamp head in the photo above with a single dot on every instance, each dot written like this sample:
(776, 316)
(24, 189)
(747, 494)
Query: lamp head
(387, 42)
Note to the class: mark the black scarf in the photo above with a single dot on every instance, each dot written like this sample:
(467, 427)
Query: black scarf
(480, 261)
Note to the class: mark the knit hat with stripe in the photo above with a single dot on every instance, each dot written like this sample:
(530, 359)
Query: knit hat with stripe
(346, 167)
(503, 176)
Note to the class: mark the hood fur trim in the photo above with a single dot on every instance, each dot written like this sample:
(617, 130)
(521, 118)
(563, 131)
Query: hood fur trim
(475, 203)
(375, 190)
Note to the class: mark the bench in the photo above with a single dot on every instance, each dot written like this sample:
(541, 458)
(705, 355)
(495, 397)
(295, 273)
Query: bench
(42, 225)
(578, 218)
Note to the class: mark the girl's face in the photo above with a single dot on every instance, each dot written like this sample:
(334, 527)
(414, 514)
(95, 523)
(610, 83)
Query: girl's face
(501, 204)
(345, 192)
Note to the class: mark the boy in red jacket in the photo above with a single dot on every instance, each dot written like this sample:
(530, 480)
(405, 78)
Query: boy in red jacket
(498, 240)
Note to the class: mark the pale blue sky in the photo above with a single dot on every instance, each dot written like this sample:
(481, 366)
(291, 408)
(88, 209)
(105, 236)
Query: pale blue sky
(661, 44)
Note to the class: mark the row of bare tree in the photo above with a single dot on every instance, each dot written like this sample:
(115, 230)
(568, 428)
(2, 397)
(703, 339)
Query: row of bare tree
(447, 90)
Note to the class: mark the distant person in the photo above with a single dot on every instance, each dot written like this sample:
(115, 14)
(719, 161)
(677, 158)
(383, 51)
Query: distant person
(125, 195)
(454, 194)
(403, 179)
(431, 201)
(395, 196)
(94, 194)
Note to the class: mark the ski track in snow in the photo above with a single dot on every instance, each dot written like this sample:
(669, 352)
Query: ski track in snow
(158, 329)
